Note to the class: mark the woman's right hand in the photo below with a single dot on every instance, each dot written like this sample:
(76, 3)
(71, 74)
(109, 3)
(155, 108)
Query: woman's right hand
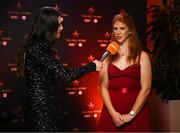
(117, 119)
(99, 65)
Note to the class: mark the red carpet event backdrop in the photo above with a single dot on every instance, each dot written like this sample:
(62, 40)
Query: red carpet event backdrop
(86, 34)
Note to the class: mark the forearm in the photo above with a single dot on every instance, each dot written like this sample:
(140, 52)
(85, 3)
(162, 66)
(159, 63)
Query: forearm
(43, 57)
(107, 101)
(75, 73)
(140, 100)
(145, 81)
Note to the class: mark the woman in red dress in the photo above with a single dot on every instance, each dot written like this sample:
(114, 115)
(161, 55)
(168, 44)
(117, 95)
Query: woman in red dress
(125, 81)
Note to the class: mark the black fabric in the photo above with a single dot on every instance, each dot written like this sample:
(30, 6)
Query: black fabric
(44, 101)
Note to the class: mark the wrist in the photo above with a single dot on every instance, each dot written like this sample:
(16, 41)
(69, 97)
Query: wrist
(132, 113)
(112, 112)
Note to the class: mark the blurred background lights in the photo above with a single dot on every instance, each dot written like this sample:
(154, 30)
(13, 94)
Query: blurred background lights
(95, 21)
(4, 95)
(24, 17)
(4, 43)
(80, 92)
(95, 115)
(80, 44)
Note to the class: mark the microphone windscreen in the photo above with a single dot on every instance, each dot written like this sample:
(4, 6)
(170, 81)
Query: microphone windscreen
(113, 48)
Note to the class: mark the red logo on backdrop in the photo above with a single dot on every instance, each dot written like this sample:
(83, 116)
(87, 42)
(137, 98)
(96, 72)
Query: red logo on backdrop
(107, 35)
(105, 40)
(75, 34)
(13, 67)
(75, 82)
(4, 39)
(91, 17)
(91, 112)
(91, 10)
(18, 6)
(91, 105)
(75, 89)
(90, 58)
(18, 13)
(76, 41)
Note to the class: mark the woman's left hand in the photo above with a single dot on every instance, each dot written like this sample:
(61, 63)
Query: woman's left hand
(127, 117)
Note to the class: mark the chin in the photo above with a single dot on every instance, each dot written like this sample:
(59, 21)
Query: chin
(119, 41)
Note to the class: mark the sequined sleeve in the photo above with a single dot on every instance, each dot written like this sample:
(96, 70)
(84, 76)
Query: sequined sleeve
(43, 56)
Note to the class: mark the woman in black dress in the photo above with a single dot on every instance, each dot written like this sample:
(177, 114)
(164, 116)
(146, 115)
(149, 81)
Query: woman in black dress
(37, 62)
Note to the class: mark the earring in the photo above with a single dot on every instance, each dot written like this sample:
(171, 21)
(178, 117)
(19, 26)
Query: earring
(129, 33)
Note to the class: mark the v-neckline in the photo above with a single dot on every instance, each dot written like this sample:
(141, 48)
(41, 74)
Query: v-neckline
(124, 68)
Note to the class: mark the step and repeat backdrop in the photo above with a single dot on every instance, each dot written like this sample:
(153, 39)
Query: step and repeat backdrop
(86, 33)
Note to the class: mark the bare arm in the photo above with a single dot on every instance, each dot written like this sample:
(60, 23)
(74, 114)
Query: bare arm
(104, 83)
(145, 80)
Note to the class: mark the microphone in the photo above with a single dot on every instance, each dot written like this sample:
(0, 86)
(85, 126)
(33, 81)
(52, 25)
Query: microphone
(112, 49)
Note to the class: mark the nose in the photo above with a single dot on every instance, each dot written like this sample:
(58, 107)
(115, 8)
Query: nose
(118, 31)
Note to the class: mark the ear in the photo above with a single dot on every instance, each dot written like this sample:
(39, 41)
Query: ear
(129, 33)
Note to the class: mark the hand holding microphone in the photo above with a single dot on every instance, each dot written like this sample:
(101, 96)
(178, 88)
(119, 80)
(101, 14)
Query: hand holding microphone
(112, 49)
(99, 65)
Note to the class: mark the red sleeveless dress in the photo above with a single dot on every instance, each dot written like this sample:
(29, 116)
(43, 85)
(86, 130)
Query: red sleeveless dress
(124, 87)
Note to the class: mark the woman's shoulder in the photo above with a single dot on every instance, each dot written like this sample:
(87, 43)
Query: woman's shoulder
(144, 57)
(144, 54)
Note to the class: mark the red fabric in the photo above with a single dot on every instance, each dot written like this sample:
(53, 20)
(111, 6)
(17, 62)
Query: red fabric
(123, 89)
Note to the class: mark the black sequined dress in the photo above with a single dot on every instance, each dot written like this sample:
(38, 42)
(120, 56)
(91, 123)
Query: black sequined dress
(42, 70)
